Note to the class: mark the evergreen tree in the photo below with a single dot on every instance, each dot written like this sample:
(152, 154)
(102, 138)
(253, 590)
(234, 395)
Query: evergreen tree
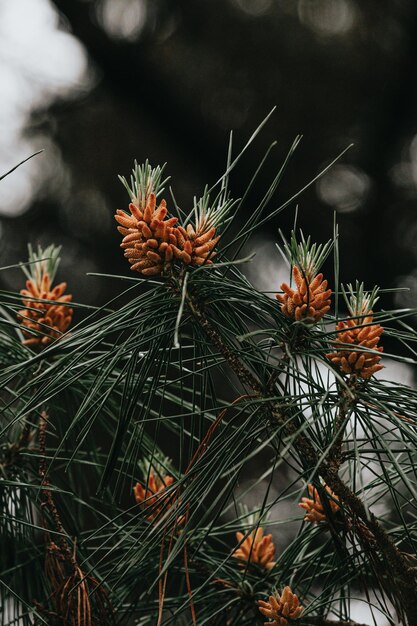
(100, 526)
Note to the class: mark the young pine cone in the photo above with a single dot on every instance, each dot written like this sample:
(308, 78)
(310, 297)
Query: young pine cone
(256, 548)
(194, 248)
(281, 609)
(310, 301)
(148, 237)
(152, 499)
(41, 321)
(313, 506)
(357, 362)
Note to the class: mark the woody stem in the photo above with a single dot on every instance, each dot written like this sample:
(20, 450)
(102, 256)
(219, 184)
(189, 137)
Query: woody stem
(47, 499)
(347, 398)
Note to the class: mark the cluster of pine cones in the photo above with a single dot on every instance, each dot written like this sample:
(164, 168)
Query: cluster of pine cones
(357, 333)
(46, 316)
(152, 241)
(309, 302)
(259, 549)
(281, 608)
(256, 548)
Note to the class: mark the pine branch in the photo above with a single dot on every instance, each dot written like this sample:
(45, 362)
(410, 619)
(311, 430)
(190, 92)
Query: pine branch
(170, 363)
(347, 397)
(48, 501)
(242, 372)
(396, 565)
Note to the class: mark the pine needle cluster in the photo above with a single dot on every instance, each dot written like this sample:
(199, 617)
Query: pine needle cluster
(274, 401)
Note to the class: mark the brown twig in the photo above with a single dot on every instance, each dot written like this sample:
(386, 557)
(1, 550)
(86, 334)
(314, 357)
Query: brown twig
(48, 502)
(189, 590)
(347, 399)
(245, 376)
(72, 590)
(163, 581)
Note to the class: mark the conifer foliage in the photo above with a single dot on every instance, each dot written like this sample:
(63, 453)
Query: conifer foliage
(263, 406)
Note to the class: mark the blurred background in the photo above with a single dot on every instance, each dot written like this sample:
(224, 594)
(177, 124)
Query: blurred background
(96, 84)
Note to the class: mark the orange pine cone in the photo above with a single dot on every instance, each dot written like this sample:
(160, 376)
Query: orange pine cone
(313, 506)
(148, 237)
(256, 548)
(281, 609)
(194, 248)
(152, 498)
(310, 301)
(358, 362)
(41, 321)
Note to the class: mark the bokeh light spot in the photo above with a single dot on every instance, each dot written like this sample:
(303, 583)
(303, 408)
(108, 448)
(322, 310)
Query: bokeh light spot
(253, 7)
(39, 62)
(122, 19)
(267, 270)
(33, 45)
(404, 173)
(407, 297)
(327, 18)
(344, 188)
